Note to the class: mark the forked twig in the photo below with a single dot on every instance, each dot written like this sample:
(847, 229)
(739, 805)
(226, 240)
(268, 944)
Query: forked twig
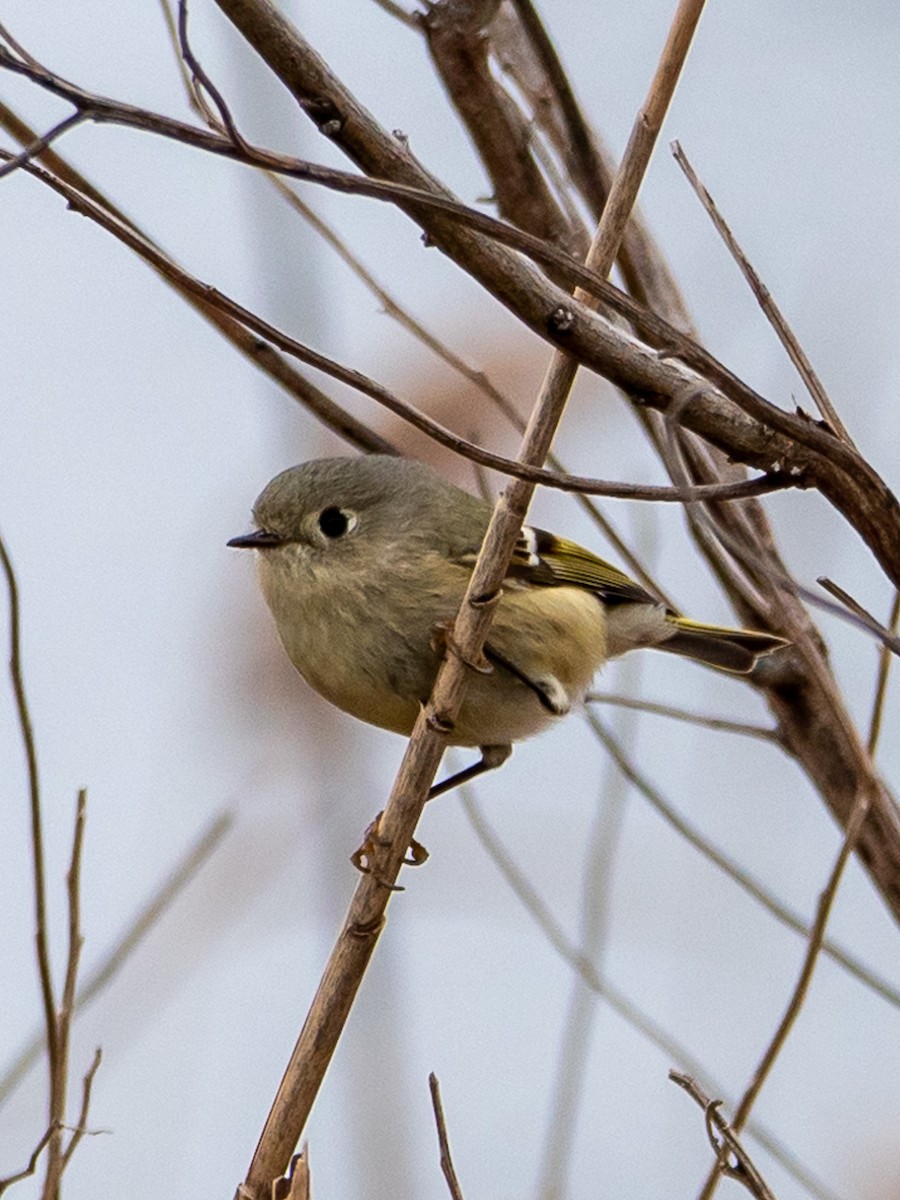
(742, 1168)
(31, 1166)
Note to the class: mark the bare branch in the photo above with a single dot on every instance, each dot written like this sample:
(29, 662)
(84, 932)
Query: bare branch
(773, 313)
(217, 300)
(723, 724)
(82, 1127)
(77, 189)
(31, 1166)
(743, 1168)
(109, 966)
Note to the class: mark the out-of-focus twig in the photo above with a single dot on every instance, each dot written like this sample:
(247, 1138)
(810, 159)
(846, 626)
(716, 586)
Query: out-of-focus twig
(260, 352)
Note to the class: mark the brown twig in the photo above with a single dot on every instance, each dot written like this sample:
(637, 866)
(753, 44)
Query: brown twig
(199, 79)
(31, 1166)
(37, 835)
(798, 996)
(37, 147)
(885, 659)
(447, 1166)
(57, 1155)
(764, 298)
(217, 300)
(705, 721)
(742, 1169)
(81, 1128)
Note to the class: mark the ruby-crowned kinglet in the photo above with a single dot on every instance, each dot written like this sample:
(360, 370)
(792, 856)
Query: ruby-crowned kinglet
(364, 562)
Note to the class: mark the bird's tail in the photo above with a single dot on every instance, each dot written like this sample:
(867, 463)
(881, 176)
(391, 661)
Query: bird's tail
(734, 650)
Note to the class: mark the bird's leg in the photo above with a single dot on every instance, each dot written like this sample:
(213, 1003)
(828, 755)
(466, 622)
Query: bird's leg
(491, 757)
(363, 859)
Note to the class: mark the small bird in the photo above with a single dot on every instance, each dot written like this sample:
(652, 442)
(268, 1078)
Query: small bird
(364, 563)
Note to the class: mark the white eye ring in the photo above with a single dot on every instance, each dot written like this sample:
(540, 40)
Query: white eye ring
(336, 522)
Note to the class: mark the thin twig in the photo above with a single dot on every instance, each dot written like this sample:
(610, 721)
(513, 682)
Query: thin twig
(886, 635)
(32, 1163)
(885, 658)
(798, 996)
(396, 825)
(723, 724)
(82, 1127)
(415, 200)
(76, 939)
(443, 1140)
(56, 1155)
(37, 835)
(618, 1001)
(39, 145)
(743, 1169)
(773, 313)
(200, 79)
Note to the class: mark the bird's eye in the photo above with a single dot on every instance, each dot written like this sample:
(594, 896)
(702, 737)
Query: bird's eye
(335, 522)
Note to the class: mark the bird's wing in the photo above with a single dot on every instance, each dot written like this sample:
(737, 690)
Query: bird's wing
(544, 560)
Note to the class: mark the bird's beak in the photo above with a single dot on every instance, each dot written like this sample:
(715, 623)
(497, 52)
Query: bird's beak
(260, 539)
